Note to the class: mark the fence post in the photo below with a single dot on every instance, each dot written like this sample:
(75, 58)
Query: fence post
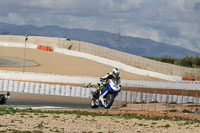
(142, 98)
(196, 100)
(155, 100)
(182, 101)
(168, 93)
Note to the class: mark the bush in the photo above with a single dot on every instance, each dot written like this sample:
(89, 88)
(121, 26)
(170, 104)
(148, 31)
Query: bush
(187, 61)
(167, 59)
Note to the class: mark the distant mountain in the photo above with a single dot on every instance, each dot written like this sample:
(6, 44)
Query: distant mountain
(133, 45)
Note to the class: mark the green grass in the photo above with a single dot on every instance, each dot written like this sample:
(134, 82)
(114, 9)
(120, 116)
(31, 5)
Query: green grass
(85, 113)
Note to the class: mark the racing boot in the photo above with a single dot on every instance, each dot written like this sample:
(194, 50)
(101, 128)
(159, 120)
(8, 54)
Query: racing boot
(96, 94)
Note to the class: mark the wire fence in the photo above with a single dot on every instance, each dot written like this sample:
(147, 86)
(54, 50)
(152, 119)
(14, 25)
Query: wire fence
(160, 100)
(129, 59)
(130, 98)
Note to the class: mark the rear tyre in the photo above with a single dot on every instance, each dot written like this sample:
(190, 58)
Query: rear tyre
(93, 103)
(109, 98)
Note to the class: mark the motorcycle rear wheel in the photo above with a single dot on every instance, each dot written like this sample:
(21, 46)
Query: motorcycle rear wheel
(93, 104)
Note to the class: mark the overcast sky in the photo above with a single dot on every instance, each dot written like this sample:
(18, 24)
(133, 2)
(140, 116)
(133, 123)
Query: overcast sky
(175, 22)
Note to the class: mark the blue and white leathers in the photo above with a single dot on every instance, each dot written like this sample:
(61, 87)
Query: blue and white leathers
(107, 94)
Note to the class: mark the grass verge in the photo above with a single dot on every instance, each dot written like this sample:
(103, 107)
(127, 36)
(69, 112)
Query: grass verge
(10, 110)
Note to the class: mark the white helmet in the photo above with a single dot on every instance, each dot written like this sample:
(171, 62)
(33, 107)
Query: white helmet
(115, 72)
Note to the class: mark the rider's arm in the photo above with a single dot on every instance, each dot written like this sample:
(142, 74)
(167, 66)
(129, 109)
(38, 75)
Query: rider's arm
(105, 77)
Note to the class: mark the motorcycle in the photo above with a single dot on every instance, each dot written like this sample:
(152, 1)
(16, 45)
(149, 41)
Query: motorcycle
(106, 95)
(4, 97)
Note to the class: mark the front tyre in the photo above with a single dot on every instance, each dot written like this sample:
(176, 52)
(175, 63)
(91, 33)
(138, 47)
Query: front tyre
(109, 99)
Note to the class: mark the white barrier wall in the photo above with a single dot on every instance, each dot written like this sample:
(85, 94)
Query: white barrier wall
(74, 91)
(19, 45)
(117, 64)
(102, 60)
(41, 77)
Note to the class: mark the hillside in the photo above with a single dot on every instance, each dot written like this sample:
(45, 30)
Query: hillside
(133, 45)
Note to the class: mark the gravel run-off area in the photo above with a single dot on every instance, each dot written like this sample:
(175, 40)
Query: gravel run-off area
(61, 122)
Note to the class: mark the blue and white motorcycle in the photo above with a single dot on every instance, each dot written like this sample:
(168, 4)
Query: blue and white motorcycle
(107, 94)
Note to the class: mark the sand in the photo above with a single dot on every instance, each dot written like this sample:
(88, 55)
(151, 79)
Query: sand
(55, 63)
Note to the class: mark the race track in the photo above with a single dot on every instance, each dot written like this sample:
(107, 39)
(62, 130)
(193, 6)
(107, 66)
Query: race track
(27, 99)
(37, 102)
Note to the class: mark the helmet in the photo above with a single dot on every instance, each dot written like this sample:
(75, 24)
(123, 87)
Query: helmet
(115, 72)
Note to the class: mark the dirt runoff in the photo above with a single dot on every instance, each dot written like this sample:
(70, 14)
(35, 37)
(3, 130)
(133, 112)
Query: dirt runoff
(55, 63)
(72, 123)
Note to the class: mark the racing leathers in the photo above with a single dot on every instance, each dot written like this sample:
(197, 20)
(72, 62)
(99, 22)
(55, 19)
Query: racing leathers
(104, 81)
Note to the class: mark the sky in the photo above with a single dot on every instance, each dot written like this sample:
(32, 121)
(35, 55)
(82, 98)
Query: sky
(175, 22)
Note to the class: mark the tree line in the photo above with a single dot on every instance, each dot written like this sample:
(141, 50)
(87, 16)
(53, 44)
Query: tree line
(187, 61)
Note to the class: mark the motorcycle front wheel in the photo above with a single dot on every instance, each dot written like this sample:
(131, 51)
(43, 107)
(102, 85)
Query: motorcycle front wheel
(109, 99)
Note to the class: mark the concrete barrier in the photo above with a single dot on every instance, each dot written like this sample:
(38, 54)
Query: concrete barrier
(5, 85)
(74, 91)
(16, 86)
(52, 89)
(63, 90)
(68, 90)
(27, 87)
(37, 88)
(47, 89)
(1, 84)
(10, 86)
(32, 87)
(42, 89)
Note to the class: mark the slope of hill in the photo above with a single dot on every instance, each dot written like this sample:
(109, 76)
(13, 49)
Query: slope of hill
(133, 45)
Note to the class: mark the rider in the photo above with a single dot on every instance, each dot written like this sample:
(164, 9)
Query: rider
(114, 74)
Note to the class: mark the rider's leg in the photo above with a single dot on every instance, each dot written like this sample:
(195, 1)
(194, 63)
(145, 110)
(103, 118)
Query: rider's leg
(97, 93)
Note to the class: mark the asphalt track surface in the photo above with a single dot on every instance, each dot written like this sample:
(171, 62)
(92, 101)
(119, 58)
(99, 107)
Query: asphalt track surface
(9, 61)
(38, 102)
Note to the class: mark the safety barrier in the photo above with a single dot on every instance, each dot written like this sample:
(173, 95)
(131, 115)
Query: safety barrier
(117, 64)
(45, 48)
(188, 78)
(99, 59)
(74, 91)
(41, 77)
